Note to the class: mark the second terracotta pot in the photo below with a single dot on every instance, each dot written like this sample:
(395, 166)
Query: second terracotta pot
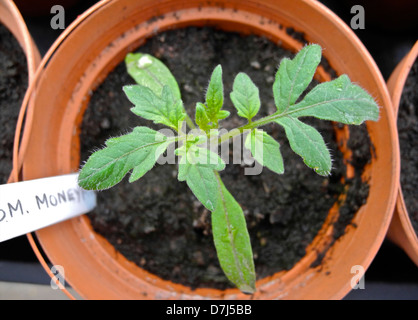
(107, 33)
(401, 230)
(13, 20)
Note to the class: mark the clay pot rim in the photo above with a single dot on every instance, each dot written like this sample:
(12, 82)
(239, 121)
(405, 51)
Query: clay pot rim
(378, 78)
(400, 74)
(401, 220)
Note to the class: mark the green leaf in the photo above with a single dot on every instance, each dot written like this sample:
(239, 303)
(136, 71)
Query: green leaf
(176, 113)
(138, 150)
(202, 181)
(150, 72)
(196, 167)
(245, 96)
(201, 117)
(232, 241)
(208, 114)
(164, 109)
(294, 76)
(222, 114)
(215, 94)
(265, 150)
(307, 142)
(337, 100)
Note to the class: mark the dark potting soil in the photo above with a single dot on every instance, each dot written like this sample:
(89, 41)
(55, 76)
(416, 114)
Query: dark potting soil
(159, 224)
(408, 135)
(13, 83)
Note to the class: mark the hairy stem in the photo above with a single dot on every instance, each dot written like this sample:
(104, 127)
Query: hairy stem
(251, 125)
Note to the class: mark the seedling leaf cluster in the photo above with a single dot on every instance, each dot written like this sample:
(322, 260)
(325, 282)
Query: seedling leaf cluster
(157, 97)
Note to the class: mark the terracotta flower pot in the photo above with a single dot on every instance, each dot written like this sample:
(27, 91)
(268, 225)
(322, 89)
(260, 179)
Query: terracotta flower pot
(11, 18)
(98, 40)
(401, 230)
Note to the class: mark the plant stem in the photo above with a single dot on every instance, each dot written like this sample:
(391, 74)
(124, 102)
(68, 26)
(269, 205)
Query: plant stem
(255, 124)
(251, 125)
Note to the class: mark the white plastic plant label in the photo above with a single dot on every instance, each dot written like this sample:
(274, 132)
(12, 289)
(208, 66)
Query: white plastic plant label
(32, 205)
